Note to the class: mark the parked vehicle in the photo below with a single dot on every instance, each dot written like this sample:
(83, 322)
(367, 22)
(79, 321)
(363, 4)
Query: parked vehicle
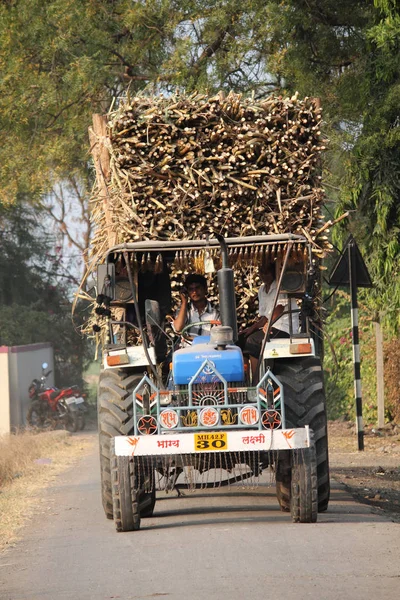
(51, 406)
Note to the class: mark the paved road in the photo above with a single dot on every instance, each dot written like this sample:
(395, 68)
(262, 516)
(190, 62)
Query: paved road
(229, 544)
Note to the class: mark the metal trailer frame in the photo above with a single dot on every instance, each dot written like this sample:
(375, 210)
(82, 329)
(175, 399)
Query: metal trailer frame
(210, 243)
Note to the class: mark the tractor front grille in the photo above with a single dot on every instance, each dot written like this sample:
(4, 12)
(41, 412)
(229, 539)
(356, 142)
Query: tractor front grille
(211, 394)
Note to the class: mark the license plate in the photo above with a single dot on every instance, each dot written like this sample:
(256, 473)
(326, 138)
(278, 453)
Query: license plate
(73, 400)
(209, 442)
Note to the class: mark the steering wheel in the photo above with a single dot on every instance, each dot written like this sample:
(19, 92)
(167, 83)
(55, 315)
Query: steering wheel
(186, 337)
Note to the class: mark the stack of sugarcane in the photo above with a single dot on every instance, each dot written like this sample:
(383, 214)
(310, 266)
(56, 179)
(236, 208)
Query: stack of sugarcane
(184, 166)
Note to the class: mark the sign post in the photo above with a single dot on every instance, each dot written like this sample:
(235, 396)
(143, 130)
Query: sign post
(350, 269)
(356, 343)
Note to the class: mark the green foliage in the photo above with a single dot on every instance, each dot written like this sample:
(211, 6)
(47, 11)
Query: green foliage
(372, 183)
(392, 378)
(338, 366)
(338, 363)
(61, 61)
(34, 302)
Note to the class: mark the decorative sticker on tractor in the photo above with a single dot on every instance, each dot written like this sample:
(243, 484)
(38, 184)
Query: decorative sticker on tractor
(271, 419)
(270, 395)
(209, 417)
(190, 419)
(169, 443)
(207, 374)
(288, 436)
(228, 416)
(169, 419)
(254, 439)
(133, 441)
(249, 415)
(209, 395)
(147, 425)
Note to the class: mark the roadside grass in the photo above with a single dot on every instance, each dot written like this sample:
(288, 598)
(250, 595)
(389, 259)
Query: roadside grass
(17, 452)
(29, 462)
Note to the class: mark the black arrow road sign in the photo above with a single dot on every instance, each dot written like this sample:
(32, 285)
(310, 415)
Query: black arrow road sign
(340, 274)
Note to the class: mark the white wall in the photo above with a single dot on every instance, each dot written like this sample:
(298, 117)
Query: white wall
(24, 364)
(4, 392)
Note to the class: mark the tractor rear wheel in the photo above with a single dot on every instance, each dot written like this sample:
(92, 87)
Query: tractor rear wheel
(304, 505)
(115, 412)
(305, 404)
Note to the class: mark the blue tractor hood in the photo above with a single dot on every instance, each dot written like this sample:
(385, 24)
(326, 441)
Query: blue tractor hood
(187, 361)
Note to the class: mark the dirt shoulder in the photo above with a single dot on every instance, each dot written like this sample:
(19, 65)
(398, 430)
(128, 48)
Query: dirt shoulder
(372, 475)
(23, 497)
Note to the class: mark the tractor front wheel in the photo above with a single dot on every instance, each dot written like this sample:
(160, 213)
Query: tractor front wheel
(304, 505)
(124, 492)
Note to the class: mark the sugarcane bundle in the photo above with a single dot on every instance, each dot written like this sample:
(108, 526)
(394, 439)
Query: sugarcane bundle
(185, 166)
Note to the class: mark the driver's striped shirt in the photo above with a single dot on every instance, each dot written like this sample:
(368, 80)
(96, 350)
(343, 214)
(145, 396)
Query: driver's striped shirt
(194, 316)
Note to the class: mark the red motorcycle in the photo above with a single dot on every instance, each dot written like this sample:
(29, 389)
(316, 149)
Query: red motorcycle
(51, 407)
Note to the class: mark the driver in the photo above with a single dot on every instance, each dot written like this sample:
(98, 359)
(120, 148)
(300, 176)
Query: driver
(195, 307)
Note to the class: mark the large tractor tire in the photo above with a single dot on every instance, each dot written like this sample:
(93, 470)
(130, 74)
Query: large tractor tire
(124, 492)
(304, 504)
(305, 404)
(115, 417)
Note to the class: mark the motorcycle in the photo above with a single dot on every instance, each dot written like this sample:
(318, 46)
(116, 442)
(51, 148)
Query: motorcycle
(51, 406)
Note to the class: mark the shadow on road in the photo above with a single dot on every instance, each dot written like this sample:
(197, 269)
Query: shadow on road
(260, 506)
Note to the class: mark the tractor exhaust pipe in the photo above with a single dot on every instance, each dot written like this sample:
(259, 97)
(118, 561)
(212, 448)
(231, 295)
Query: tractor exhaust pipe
(226, 288)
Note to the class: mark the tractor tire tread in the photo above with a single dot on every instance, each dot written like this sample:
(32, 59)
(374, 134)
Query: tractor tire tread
(302, 380)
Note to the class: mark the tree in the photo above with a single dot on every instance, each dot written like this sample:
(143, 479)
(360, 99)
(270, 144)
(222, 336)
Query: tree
(63, 60)
(34, 302)
(67, 205)
(372, 185)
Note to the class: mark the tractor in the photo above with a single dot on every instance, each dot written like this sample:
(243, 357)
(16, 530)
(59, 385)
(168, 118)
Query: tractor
(176, 412)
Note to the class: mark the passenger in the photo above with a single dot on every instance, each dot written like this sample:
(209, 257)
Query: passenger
(195, 307)
(251, 338)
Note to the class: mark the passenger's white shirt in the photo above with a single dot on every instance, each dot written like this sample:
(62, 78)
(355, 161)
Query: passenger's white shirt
(266, 303)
